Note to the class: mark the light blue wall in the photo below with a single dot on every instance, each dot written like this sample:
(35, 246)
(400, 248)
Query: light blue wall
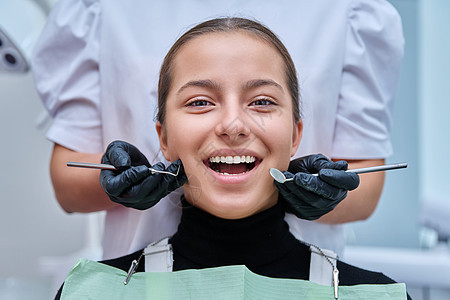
(395, 222)
(421, 124)
(435, 95)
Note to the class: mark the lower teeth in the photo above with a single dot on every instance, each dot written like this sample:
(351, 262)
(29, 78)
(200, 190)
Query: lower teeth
(233, 174)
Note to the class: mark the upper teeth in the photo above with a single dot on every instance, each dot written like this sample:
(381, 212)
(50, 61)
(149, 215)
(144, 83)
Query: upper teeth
(232, 159)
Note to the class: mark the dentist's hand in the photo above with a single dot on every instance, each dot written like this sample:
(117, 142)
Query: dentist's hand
(133, 184)
(310, 197)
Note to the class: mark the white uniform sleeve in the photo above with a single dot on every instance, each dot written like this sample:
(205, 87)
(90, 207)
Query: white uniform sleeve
(65, 67)
(370, 73)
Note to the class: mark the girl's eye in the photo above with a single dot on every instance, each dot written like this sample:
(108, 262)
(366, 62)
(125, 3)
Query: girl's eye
(199, 103)
(263, 102)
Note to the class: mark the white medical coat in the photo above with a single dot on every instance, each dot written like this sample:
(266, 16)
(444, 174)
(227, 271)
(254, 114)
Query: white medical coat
(96, 68)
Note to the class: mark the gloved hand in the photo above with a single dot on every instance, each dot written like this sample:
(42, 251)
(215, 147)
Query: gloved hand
(310, 197)
(133, 184)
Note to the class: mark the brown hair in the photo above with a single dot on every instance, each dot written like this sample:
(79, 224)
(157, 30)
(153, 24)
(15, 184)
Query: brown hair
(226, 25)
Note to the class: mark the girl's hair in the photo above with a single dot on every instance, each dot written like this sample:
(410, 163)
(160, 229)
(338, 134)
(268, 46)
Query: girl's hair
(226, 25)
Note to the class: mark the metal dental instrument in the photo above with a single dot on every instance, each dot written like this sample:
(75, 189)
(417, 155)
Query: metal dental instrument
(111, 167)
(279, 176)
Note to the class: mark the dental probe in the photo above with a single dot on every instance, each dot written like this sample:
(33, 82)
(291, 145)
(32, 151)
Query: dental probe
(279, 176)
(111, 167)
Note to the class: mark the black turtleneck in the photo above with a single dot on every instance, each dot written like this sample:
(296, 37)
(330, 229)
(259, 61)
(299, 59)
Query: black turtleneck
(262, 242)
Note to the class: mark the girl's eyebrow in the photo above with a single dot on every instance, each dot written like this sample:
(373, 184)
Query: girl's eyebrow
(209, 84)
(261, 82)
(200, 83)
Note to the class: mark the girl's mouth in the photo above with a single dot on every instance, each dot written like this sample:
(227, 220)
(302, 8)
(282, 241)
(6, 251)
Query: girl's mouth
(232, 165)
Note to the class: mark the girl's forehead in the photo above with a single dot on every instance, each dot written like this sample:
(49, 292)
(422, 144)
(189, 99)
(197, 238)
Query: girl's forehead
(210, 38)
(215, 47)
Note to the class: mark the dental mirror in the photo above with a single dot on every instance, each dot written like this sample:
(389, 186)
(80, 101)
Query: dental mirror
(279, 176)
(111, 167)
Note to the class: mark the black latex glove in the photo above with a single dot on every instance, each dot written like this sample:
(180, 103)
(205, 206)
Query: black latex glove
(310, 197)
(133, 184)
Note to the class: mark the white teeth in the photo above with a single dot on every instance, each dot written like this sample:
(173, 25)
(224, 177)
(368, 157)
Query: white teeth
(232, 159)
(227, 174)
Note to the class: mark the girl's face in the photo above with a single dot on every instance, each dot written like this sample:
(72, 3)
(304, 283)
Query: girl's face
(229, 119)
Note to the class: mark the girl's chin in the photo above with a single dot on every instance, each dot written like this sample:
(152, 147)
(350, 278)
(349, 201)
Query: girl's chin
(233, 207)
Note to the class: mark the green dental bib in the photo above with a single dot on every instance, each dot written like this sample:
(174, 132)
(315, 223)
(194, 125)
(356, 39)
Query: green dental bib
(93, 280)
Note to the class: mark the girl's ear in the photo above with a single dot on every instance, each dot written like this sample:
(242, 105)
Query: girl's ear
(296, 136)
(160, 129)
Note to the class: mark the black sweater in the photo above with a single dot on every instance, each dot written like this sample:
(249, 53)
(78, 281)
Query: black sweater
(261, 242)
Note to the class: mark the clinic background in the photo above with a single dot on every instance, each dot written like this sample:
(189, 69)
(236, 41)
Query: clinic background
(37, 238)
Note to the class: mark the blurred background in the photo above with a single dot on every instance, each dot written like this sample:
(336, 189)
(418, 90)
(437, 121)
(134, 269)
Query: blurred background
(407, 238)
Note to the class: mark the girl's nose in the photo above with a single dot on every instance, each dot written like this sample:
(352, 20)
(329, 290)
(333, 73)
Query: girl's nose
(233, 125)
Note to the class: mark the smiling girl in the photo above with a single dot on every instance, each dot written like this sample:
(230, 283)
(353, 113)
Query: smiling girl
(229, 110)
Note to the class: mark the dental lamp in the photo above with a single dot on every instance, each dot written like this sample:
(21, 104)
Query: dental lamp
(21, 22)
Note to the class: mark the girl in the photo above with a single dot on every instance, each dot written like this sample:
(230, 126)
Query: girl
(229, 110)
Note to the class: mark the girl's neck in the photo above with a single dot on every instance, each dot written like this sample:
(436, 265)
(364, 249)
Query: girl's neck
(211, 241)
